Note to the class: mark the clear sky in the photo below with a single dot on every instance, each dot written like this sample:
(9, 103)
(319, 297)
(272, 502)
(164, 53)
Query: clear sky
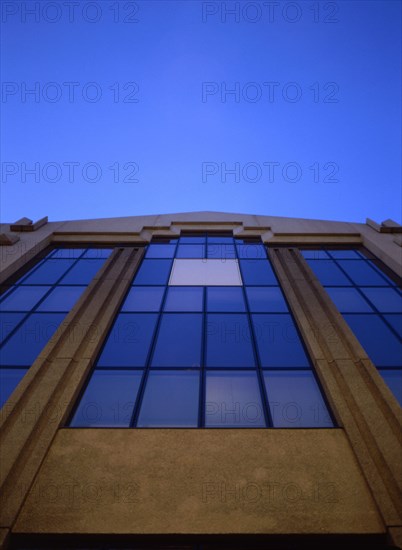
(127, 108)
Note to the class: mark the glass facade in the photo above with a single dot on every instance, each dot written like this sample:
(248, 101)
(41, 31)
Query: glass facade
(370, 302)
(33, 308)
(204, 338)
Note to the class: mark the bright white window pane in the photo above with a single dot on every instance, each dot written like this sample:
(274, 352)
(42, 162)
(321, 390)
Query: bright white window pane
(233, 400)
(202, 272)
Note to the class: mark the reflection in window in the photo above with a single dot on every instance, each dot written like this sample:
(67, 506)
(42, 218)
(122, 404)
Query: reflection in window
(34, 307)
(370, 302)
(217, 327)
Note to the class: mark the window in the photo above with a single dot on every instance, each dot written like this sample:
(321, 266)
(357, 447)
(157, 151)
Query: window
(371, 303)
(204, 338)
(33, 308)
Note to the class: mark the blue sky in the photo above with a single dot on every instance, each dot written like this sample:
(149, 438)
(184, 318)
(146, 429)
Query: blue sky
(132, 111)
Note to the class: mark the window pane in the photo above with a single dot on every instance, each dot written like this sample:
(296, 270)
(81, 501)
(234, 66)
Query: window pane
(251, 251)
(345, 254)
(153, 272)
(48, 272)
(25, 345)
(393, 378)
(212, 239)
(396, 322)
(144, 298)
(170, 400)
(314, 254)
(328, 273)
(98, 253)
(221, 251)
(192, 239)
(188, 298)
(190, 251)
(160, 251)
(266, 299)
(225, 298)
(8, 322)
(62, 298)
(233, 400)
(362, 273)
(348, 299)
(381, 345)
(205, 272)
(386, 300)
(128, 342)
(295, 400)
(257, 272)
(9, 380)
(83, 272)
(229, 341)
(278, 341)
(68, 253)
(23, 298)
(178, 342)
(108, 400)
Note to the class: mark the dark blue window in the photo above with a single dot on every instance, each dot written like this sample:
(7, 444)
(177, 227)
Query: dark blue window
(97, 253)
(83, 272)
(382, 346)
(221, 251)
(9, 380)
(170, 400)
(225, 299)
(48, 272)
(8, 322)
(153, 272)
(295, 400)
(233, 400)
(190, 251)
(251, 251)
(61, 298)
(257, 272)
(178, 343)
(144, 298)
(27, 342)
(386, 300)
(129, 341)
(278, 342)
(371, 306)
(45, 299)
(204, 349)
(362, 273)
(23, 298)
(345, 254)
(160, 251)
(266, 299)
(348, 299)
(315, 254)
(220, 239)
(396, 323)
(393, 378)
(108, 400)
(189, 298)
(329, 273)
(229, 341)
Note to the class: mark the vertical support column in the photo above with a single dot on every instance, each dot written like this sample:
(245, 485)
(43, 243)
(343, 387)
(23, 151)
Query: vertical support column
(360, 399)
(43, 399)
